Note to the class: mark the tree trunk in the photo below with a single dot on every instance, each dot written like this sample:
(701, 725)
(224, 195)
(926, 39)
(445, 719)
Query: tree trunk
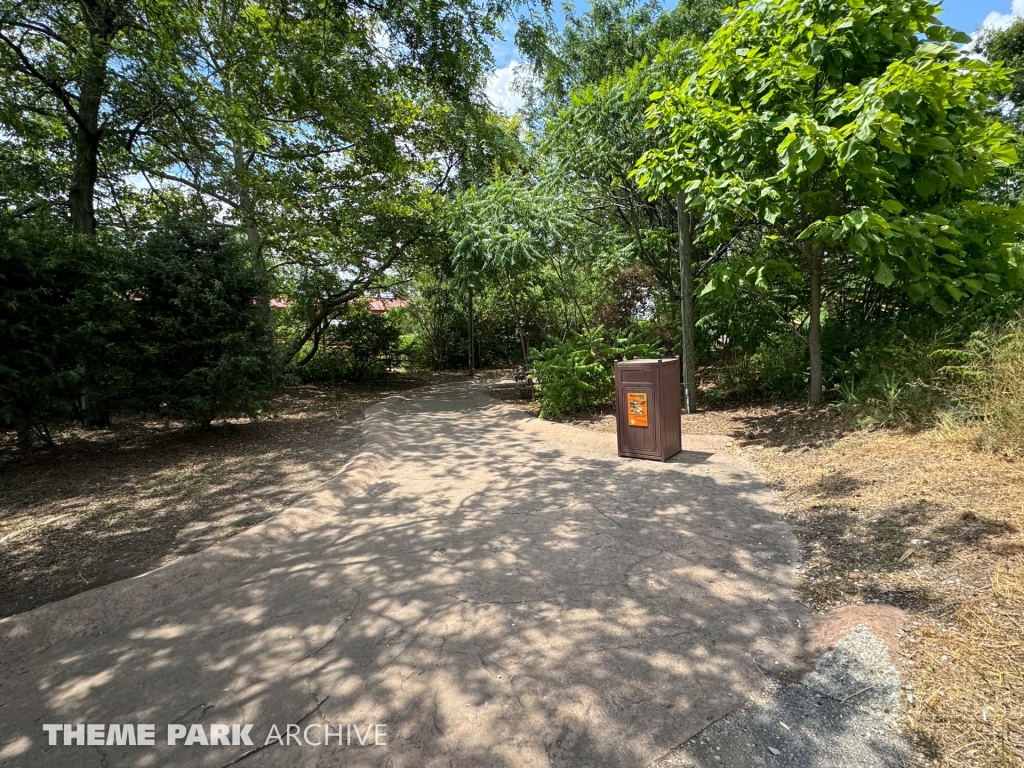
(814, 398)
(95, 410)
(246, 213)
(471, 331)
(295, 345)
(684, 225)
(23, 429)
(84, 172)
(253, 239)
(103, 24)
(316, 345)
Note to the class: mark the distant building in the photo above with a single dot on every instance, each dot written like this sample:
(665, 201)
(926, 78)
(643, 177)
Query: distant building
(381, 305)
(378, 305)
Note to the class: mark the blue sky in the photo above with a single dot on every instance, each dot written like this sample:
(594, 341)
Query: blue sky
(965, 15)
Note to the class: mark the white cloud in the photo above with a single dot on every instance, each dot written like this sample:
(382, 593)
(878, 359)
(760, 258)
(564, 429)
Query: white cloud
(500, 88)
(996, 20)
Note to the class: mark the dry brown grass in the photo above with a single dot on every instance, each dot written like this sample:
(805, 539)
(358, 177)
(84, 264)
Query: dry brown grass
(929, 523)
(986, 381)
(970, 674)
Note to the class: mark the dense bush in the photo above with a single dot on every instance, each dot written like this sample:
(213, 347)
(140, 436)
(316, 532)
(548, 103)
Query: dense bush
(776, 368)
(437, 323)
(359, 346)
(576, 374)
(572, 374)
(51, 296)
(436, 318)
(201, 348)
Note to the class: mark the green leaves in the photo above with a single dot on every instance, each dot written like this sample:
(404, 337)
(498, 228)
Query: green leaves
(576, 374)
(845, 133)
(884, 275)
(507, 227)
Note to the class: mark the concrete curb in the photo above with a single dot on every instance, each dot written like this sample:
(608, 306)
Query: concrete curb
(95, 611)
(843, 714)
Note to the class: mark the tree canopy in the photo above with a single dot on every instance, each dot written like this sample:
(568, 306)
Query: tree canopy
(788, 187)
(855, 136)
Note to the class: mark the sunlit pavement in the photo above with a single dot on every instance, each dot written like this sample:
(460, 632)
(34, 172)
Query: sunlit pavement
(491, 590)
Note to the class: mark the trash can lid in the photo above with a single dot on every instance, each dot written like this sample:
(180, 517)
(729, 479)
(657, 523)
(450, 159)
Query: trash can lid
(645, 361)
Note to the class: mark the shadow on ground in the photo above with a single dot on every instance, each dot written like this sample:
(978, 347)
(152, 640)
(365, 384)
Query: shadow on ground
(111, 504)
(495, 598)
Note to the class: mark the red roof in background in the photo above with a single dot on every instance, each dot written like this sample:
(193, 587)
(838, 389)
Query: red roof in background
(378, 305)
(381, 305)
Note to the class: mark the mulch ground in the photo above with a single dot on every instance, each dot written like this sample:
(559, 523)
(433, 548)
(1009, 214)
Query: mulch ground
(110, 504)
(918, 518)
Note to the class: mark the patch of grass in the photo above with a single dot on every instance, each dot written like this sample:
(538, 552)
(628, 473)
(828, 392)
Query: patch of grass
(928, 523)
(970, 672)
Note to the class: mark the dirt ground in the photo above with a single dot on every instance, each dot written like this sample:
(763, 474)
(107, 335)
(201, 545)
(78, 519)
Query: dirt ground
(110, 504)
(917, 518)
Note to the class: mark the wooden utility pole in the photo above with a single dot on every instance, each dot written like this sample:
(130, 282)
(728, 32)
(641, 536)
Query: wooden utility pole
(471, 330)
(684, 225)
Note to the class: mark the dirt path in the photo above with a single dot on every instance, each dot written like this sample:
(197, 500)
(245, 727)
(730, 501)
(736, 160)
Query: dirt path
(111, 504)
(916, 517)
(497, 593)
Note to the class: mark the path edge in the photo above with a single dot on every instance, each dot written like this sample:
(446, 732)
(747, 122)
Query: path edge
(128, 600)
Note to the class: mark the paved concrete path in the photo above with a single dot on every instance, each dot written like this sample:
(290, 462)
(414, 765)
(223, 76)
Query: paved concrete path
(496, 590)
(843, 714)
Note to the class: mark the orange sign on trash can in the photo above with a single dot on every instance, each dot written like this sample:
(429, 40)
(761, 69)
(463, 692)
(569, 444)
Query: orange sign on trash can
(636, 409)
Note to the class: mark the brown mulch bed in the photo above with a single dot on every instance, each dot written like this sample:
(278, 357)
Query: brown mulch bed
(111, 504)
(918, 518)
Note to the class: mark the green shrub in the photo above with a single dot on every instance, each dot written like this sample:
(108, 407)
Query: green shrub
(888, 373)
(780, 365)
(436, 316)
(359, 346)
(201, 348)
(985, 379)
(576, 374)
(51, 294)
(572, 374)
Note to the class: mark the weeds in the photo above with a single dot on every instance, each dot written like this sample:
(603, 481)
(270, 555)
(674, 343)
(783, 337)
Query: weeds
(985, 381)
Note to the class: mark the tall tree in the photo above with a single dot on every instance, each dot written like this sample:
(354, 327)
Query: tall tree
(595, 142)
(596, 76)
(323, 140)
(606, 40)
(852, 134)
(68, 70)
(1007, 46)
(511, 232)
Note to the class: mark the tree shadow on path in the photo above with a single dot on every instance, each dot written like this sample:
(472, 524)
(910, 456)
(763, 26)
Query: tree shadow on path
(496, 598)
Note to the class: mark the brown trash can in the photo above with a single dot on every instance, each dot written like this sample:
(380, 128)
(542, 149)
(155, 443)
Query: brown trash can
(647, 408)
